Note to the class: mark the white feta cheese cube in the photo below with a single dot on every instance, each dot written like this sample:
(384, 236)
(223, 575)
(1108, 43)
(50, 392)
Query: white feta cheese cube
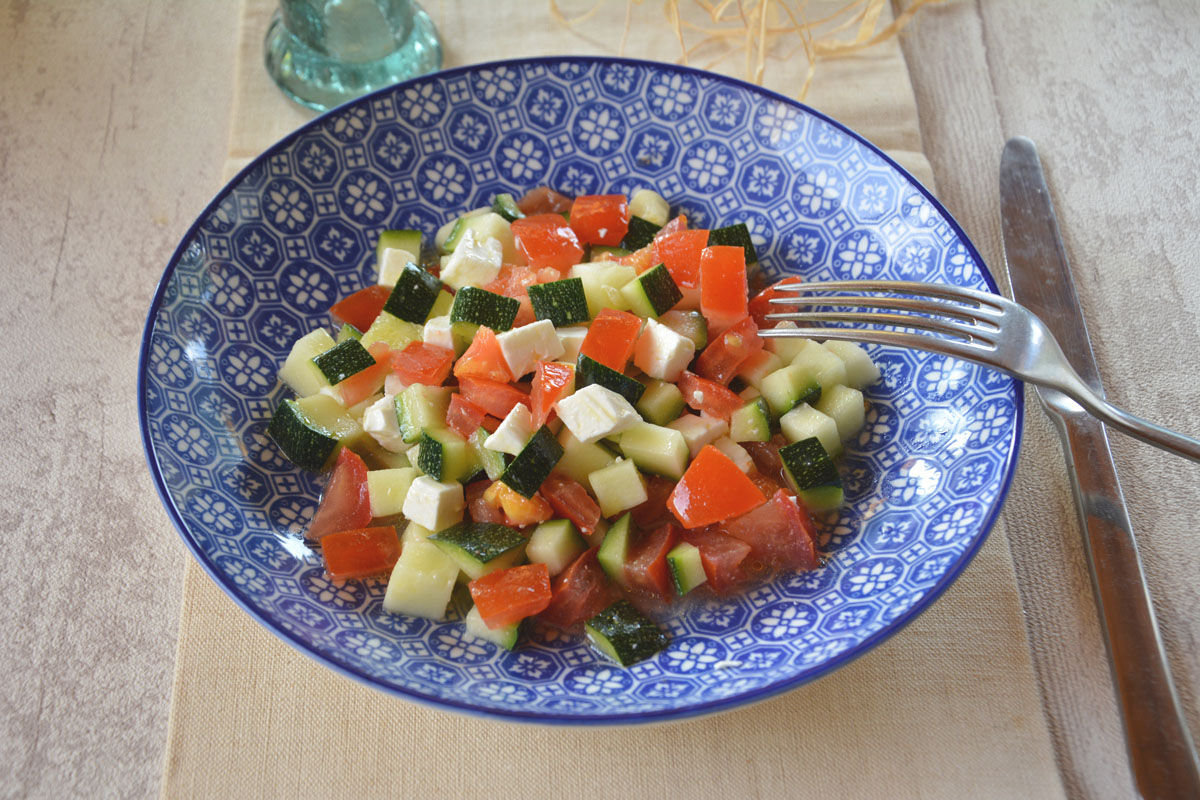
(524, 347)
(474, 262)
(513, 433)
(381, 422)
(571, 340)
(699, 430)
(392, 265)
(737, 454)
(437, 332)
(594, 412)
(662, 353)
(434, 504)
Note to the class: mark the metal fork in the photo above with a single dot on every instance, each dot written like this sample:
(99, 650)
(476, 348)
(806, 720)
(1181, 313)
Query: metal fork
(963, 323)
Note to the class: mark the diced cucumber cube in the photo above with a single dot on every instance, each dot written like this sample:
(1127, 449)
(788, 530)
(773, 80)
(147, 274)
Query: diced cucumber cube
(484, 224)
(580, 459)
(441, 306)
(387, 489)
(661, 403)
(614, 549)
(687, 569)
(419, 407)
(396, 333)
(861, 371)
(343, 360)
(751, 422)
(653, 448)
(788, 387)
(784, 347)
(525, 473)
(422, 582)
(445, 456)
(618, 487)
(414, 294)
(492, 462)
(804, 422)
(652, 293)
(602, 282)
(348, 331)
(415, 533)
(555, 543)
(759, 366)
(845, 406)
(298, 372)
(481, 547)
(825, 367)
(640, 233)
(811, 472)
(650, 206)
(505, 636)
(506, 206)
(624, 634)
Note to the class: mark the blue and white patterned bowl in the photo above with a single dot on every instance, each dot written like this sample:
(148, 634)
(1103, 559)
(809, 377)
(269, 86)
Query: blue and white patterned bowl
(296, 230)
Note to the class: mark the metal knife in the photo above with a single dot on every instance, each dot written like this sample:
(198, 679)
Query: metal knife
(1161, 752)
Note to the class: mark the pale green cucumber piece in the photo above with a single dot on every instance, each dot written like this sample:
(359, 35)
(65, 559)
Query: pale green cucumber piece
(419, 407)
(805, 422)
(786, 388)
(687, 569)
(445, 456)
(505, 636)
(387, 489)
(618, 487)
(825, 367)
(751, 422)
(653, 448)
(661, 403)
(845, 407)
(481, 547)
(579, 460)
(298, 372)
(555, 543)
(396, 333)
(650, 206)
(614, 549)
(422, 582)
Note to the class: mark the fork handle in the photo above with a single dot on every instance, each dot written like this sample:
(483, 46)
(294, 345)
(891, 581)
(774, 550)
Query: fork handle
(1135, 426)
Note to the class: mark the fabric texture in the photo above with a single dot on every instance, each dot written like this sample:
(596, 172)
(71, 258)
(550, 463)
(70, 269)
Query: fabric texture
(949, 707)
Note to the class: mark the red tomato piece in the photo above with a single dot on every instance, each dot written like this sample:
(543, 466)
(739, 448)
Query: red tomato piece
(780, 532)
(708, 396)
(544, 200)
(510, 595)
(646, 566)
(723, 288)
(360, 553)
(569, 499)
(766, 458)
(479, 507)
(722, 556)
(425, 363)
(484, 359)
(600, 218)
(519, 510)
(611, 337)
(580, 592)
(680, 252)
(344, 504)
(513, 280)
(712, 489)
(361, 308)
(647, 257)
(760, 305)
(493, 397)
(463, 417)
(724, 356)
(654, 512)
(550, 382)
(546, 240)
(364, 383)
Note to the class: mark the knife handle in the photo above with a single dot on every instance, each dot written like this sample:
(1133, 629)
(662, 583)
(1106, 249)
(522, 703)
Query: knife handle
(1161, 752)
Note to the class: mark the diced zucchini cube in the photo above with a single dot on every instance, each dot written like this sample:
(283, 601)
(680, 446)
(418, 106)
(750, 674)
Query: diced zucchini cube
(661, 403)
(614, 549)
(845, 406)
(650, 206)
(618, 487)
(419, 407)
(751, 422)
(861, 371)
(555, 543)
(298, 372)
(422, 582)
(581, 459)
(686, 566)
(415, 533)
(624, 634)
(505, 636)
(788, 387)
(653, 448)
(445, 456)
(804, 422)
(481, 547)
(825, 367)
(387, 489)
(759, 366)
(784, 347)
(396, 333)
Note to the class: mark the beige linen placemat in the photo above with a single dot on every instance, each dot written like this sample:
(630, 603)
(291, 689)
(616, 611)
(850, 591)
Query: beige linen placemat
(947, 708)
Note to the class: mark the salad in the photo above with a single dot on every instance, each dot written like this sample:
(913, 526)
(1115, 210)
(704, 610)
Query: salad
(565, 405)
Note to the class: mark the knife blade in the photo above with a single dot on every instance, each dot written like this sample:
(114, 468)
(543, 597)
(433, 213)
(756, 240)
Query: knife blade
(1161, 754)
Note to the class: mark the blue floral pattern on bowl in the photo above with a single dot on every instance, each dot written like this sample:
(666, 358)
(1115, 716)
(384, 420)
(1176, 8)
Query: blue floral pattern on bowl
(296, 230)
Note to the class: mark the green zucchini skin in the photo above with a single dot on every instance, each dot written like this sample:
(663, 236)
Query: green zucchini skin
(525, 473)
(343, 360)
(737, 236)
(403, 240)
(624, 634)
(482, 542)
(588, 371)
(654, 292)
(305, 444)
(808, 466)
(562, 302)
(641, 233)
(414, 295)
(506, 206)
(481, 307)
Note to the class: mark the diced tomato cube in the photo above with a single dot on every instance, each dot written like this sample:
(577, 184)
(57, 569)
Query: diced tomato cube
(550, 382)
(546, 240)
(600, 218)
(722, 556)
(647, 257)
(760, 305)
(580, 592)
(361, 308)
(780, 532)
(519, 510)
(364, 383)
(479, 507)
(724, 356)
(570, 500)
(708, 396)
(510, 595)
(463, 417)
(513, 280)
(646, 566)
(680, 253)
(422, 362)
(361, 553)
(723, 288)
(654, 512)
(611, 338)
(544, 200)
(344, 504)
(484, 359)
(766, 458)
(712, 489)
(493, 397)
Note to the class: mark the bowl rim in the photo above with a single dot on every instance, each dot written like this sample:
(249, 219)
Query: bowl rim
(750, 697)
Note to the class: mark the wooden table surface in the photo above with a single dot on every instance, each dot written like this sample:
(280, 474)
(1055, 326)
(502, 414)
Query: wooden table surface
(113, 125)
